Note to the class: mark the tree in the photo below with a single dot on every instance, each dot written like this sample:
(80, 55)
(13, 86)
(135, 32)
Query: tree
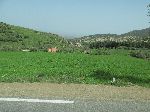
(149, 14)
(148, 9)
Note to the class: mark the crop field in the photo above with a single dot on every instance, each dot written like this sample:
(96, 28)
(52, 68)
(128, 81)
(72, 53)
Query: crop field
(74, 68)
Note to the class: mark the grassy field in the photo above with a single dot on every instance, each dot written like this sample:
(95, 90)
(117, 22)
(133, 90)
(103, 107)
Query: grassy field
(74, 68)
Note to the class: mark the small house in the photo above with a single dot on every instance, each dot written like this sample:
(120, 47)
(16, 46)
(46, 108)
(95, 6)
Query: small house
(52, 49)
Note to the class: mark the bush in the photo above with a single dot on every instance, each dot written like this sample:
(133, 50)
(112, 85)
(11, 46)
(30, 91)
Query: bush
(140, 54)
(34, 49)
(7, 48)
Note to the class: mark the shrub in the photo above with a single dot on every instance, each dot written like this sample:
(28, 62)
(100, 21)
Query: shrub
(140, 54)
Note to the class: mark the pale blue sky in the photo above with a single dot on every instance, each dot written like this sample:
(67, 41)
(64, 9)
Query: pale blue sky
(76, 17)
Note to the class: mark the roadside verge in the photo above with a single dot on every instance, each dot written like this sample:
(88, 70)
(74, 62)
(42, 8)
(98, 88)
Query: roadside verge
(74, 91)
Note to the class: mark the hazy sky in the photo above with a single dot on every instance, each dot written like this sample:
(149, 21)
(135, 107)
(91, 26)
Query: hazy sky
(76, 17)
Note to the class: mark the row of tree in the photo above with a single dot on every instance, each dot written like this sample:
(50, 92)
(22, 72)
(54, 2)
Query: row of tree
(114, 44)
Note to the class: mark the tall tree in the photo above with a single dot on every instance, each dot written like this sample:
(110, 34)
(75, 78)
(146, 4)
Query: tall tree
(149, 14)
(148, 9)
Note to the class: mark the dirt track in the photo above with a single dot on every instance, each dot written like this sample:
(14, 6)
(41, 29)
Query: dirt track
(74, 91)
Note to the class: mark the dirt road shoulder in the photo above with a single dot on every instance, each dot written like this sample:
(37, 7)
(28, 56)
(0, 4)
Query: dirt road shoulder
(74, 91)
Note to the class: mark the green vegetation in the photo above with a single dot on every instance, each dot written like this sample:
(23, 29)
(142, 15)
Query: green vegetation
(134, 39)
(14, 38)
(74, 68)
(114, 44)
(141, 54)
(95, 59)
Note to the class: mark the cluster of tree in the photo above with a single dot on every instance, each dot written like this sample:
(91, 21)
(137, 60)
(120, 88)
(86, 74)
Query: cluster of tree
(114, 44)
(7, 34)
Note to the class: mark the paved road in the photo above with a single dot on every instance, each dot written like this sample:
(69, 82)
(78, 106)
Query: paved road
(77, 106)
(105, 98)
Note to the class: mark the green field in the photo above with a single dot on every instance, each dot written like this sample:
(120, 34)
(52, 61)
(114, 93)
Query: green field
(74, 68)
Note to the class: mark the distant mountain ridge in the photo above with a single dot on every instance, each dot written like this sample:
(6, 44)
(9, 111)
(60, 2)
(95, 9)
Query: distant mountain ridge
(143, 34)
(138, 33)
(17, 38)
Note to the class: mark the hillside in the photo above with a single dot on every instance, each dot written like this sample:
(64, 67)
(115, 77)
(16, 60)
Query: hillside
(19, 38)
(136, 37)
(15, 38)
(138, 33)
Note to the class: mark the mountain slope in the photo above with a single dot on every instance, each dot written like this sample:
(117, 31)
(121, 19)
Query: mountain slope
(18, 38)
(136, 35)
